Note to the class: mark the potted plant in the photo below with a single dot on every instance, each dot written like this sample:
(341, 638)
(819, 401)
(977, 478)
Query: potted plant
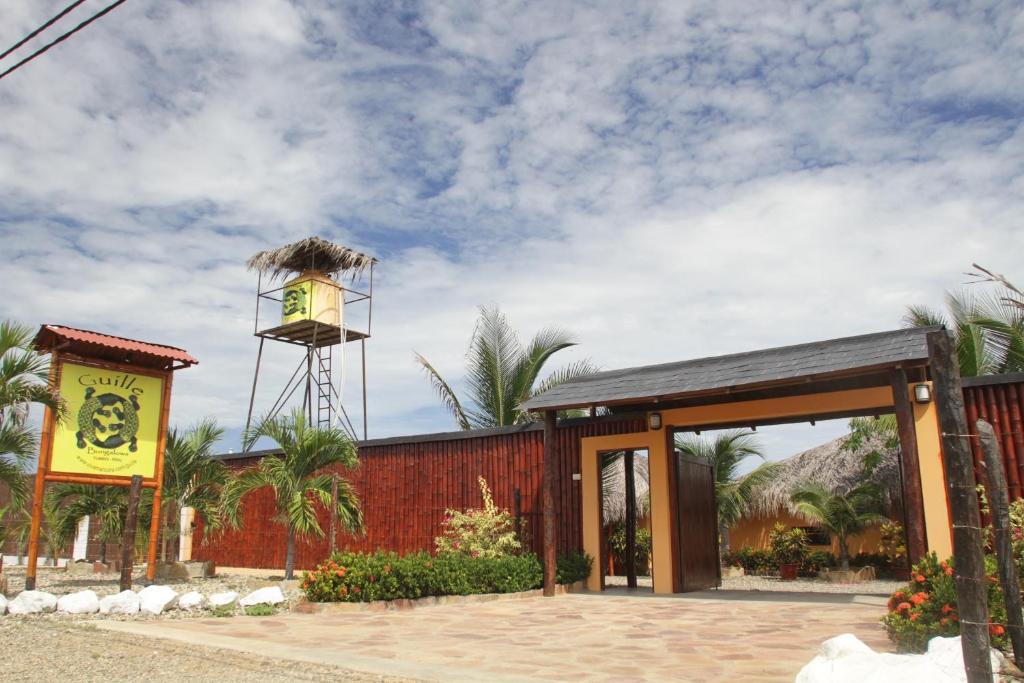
(789, 550)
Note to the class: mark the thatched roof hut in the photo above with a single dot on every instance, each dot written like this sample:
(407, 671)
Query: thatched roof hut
(311, 253)
(613, 485)
(834, 466)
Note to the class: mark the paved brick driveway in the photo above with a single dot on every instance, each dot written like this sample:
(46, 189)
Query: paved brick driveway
(723, 636)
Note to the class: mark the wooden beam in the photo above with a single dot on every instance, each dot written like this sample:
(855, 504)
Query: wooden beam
(910, 468)
(550, 472)
(969, 557)
(628, 458)
(42, 468)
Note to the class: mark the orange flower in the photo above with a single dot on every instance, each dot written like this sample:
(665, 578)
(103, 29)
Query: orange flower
(919, 578)
(944, 621)
(915, 616)
(947, 608)
(949, 571)
(996, 629)
(918, 598)
(903, 606)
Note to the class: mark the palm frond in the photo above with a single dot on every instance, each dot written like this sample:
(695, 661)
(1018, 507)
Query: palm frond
(445, 393)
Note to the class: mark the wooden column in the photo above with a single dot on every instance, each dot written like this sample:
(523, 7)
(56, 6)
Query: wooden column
(910, 468)
(628, 467)
(42, 469)
(969, 557)
(550, 472)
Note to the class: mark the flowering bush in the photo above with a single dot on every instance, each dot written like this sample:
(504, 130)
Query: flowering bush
(617, 545)
(359, 577)
(484, 532)
(927, 607)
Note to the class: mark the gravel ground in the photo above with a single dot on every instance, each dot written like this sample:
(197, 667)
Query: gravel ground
(37, 649)
(773, 583)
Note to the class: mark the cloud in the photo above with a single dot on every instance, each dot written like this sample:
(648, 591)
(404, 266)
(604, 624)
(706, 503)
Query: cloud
(667, 180)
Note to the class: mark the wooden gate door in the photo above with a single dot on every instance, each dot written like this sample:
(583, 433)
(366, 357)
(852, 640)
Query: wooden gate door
(698, 524)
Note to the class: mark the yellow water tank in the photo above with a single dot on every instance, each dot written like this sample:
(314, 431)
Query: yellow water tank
(312, 296)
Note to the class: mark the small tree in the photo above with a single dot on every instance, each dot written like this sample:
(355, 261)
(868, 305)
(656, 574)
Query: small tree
(484, 532)
(298, 478)
(192, 478)
(843, 513)
(108, 505)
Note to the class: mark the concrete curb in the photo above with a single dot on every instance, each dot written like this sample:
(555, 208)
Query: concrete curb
(306, 607)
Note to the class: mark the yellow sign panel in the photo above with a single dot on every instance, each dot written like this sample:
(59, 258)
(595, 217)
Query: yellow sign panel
(112, 423)
(297, 302)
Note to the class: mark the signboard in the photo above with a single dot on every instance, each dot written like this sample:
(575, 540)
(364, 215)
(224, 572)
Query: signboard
(113, 422)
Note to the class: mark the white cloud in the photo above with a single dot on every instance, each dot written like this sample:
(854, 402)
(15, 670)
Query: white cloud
(667, 180)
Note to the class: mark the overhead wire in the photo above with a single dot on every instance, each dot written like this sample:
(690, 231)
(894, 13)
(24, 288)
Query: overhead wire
(106, 10)
(42, 28)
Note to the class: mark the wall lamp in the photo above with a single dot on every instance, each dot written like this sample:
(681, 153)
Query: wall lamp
(922, 393)
(654, 420)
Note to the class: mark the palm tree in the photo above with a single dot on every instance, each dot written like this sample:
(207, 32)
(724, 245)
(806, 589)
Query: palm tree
(988, 331)
(733, 491)
(13, 527)
(107, 505)
(502, 374)
(298, 479)
(24, 380)
(843, 513)
(192, 478)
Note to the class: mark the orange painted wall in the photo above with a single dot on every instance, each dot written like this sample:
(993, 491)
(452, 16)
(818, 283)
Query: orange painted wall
(754, 532)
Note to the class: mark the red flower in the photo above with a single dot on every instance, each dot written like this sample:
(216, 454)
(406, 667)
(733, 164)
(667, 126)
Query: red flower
(903, 606)
(949, 571)
(918, 598)
(944, 621)
(947, 608)
(996, 629)
(915, 616)
(919, 578)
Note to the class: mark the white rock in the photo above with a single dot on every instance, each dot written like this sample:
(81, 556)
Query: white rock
(32, 602)
(3, 605)
(155, 599)
(845, 659)
(82, 602)
(125, 602)
(192, 601)
(223, 599)
(271, 595)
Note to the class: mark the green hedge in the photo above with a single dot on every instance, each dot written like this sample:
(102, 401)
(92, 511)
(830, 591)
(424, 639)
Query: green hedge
(359, 577)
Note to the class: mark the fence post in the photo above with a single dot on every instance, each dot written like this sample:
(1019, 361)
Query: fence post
(128, 536)
(999, 501)
(968, 554)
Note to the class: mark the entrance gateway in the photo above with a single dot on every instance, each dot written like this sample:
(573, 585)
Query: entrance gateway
(866, 375)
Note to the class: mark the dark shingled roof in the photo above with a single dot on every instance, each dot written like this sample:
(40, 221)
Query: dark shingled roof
(779, 365)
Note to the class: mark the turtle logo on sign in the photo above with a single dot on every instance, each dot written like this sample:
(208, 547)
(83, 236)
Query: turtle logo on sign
(294, 301)
(108, 420)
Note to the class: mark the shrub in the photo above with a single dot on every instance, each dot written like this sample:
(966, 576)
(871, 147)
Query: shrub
(815, 561)
(891, 544)
(753, 561)
(927, 607)
(260, 610)
(573, 568)
(617, 546)
(485, 532)
(358, 577)
(788, 546)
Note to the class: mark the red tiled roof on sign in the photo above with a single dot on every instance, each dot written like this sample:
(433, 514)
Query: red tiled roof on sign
(119, 349)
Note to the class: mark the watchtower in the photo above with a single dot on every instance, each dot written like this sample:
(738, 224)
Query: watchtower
(312, 309)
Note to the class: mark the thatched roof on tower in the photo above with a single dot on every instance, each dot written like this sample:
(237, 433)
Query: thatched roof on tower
(613, 489)
(834, 466)
(311, 253)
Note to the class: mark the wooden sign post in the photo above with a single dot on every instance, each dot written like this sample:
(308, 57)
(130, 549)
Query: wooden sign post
(117, 393)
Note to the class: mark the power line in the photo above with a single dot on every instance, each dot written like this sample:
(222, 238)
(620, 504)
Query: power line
(105, 10)
(42, 28)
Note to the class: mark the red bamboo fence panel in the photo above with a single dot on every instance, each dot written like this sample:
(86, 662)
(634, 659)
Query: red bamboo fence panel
(406, 484)
(999, 400)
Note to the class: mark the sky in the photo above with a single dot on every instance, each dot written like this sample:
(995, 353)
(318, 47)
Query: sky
(665, 180)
